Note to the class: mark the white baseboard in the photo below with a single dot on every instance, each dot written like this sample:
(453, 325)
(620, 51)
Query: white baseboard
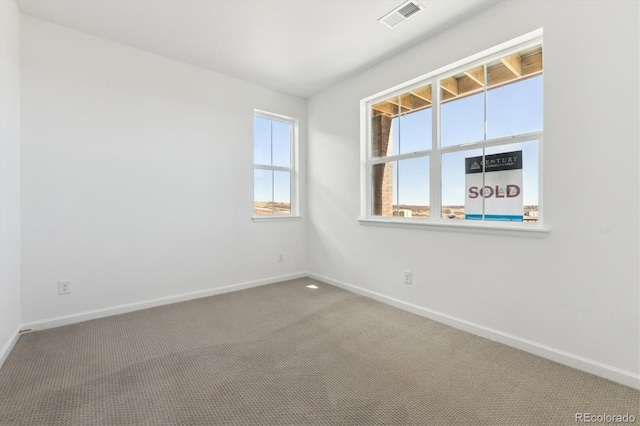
(6, 350)
(578, 362)
(122, 309)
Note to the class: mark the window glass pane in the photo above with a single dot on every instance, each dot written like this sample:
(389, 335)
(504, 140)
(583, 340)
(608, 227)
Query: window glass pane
(281, 192)
(514, 95)
(454, 191)
(385, 194)
(261, 141)
(281, 143)
(528, 199)
(462, 120)
(462, 108)
(262, 191)
(515, 108)
(415, 131)
(413, 187)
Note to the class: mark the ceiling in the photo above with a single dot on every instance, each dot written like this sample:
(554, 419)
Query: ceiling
(300, 47)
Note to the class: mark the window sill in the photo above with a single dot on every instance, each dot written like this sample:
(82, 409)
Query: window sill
(477, 228)
(274, 218)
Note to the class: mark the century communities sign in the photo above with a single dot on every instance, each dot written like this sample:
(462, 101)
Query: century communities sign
(494, 187)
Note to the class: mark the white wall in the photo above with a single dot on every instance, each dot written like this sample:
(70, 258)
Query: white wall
(9, 176)
(137, 181)
(571, 295)
(137, 177)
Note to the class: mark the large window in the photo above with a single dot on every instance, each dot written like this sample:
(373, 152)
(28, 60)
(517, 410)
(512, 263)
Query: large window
(460, 146)
(274, 171)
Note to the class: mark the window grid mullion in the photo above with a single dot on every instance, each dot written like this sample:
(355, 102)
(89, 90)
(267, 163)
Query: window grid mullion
(292, 154)
(276, 168)
(397, 168)
(273, 178)
(484, 149)
(407, 156)
(436, 159)
(524, 137)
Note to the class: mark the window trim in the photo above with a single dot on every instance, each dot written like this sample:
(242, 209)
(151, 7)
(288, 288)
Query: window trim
(294, 186)
(435, 151)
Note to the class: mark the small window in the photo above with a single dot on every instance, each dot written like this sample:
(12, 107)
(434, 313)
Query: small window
(274, 171)
(460, 146)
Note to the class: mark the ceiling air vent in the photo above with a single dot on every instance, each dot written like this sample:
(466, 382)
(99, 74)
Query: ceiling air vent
(400, 13)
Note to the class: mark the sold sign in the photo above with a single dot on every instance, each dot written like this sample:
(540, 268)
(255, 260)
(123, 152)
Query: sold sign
(494, 187)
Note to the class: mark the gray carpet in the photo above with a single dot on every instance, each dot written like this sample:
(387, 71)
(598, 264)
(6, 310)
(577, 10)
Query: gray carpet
(283, 354)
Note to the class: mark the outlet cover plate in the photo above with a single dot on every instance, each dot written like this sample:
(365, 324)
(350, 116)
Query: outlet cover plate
(64, 287)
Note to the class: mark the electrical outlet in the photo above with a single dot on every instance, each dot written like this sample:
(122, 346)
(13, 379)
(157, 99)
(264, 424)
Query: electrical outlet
(281, 257)
(407, 277)
(64, 287)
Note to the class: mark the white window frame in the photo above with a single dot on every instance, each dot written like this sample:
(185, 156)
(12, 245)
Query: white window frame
(292, 169)
(435, 151)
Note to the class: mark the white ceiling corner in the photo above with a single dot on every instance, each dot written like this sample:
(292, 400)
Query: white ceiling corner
(294, 46)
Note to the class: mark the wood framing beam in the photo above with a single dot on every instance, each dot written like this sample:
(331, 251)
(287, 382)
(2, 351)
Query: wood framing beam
(446, 96)
(423, 93)
(468, 86)
(476, 74)
(406, 101)
(508, 70)
(385, 108)
(413, 102)
(532, 64)
(398, 104)
(450, 85)
(513, 64)
(403, 104)
(499, 75)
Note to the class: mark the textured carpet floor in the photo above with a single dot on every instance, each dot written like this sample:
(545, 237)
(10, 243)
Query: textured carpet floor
(283, 354)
